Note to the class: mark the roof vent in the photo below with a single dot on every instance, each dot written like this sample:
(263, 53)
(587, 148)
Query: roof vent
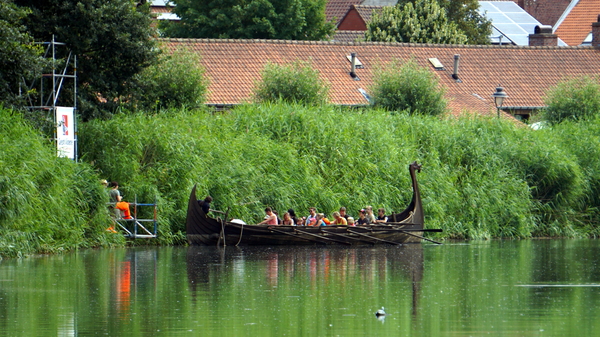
(455, 73)
(357, 63)
(437, 65)
(542, 29)
(353, 67)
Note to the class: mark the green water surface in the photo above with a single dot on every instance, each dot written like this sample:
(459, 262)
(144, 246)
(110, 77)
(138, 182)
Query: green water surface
(499, 288)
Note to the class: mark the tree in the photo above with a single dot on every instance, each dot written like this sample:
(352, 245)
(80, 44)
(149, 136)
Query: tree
(465, 14)
(20, 59)
(175, 81)
(295, 82)
(408, 87)
(111, 38)
(422, 22)
(574, 99)
(250, 19)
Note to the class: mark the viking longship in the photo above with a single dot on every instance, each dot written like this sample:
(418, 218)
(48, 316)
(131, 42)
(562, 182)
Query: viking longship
(404, 227)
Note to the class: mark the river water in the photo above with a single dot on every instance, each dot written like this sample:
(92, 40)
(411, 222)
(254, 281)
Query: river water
(498, 288)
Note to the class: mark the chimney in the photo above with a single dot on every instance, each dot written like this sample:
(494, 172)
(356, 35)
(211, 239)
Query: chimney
(542, 36)
(596, 33)
(353, 67)
(455, 73)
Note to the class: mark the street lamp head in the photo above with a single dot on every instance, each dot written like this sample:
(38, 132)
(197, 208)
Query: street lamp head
(499, 97)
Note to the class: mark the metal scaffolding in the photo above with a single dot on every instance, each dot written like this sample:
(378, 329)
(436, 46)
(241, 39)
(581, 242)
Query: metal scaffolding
(50, 86)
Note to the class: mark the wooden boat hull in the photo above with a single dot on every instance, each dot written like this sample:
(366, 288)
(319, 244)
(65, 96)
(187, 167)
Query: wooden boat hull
(406, 227)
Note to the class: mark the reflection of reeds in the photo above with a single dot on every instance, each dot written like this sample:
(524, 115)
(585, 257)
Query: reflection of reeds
(482, 177)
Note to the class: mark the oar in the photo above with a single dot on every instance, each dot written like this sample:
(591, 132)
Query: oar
(374, 238)
(418, 236)
(349, 237)
(324, 238)
(295, 235)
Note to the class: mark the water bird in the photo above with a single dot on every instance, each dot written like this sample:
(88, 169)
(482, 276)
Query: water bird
(380, 312)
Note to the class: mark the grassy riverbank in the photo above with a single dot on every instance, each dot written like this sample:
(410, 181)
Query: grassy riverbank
(482, 177)
(47, 204)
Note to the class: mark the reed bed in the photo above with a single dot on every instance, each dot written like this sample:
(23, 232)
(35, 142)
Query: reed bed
(482, 178)
(47, 204)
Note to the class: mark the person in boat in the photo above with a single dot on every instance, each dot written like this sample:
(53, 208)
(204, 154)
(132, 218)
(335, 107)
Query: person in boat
(362, 218)
(312, 217)
(121, 207)
(292, 215)
(205, 204)
(381, 218)
(338, 219)
(320, 221)
(270, 219)
(370, 216)
(287, 219)
(300, 221)
(343, 213)
(351, 221)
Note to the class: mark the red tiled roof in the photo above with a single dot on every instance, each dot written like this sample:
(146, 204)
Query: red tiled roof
(338, 8)
(526, 73)
(349, 36)
(366, 12)
(576, 26)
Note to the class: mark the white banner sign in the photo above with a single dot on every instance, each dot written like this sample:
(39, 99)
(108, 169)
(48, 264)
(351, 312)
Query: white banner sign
(65, 132)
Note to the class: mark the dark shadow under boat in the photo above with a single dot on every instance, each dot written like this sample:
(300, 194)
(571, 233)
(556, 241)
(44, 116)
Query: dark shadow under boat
(404, 227)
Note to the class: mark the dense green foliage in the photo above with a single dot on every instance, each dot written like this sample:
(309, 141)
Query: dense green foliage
(250, 19)
(482, 177)
(47, 204)
(111, 38)
(294, 82)
(406, 86)
(176, 81)
(467, 18)
(423, 21)
(573, 99)
(20, 60)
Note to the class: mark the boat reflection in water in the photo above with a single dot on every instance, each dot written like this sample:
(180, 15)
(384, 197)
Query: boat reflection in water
(333, 272)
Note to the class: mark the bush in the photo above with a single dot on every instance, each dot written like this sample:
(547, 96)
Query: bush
(297, 82)
(409, 87)
(176, 81)
(574, 99)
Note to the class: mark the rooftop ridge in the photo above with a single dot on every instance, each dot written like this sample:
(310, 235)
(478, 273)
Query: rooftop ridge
(363, 43)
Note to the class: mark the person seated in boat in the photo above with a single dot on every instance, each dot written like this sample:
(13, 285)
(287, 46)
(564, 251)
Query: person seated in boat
(270, 219)
(292, 215)
(205, 204)
(287, 219)
(319, 221)
(338, 219)
(121, 207)
(312, 217)
(370, 216)
(351, 221)
(300, 221)
(362, 218)
(343, 213)
(279, 219)
(381, 218)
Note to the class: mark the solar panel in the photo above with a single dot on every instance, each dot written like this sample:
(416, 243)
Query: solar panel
(510, 20)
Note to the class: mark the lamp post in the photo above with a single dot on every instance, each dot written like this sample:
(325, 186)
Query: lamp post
(499, 97)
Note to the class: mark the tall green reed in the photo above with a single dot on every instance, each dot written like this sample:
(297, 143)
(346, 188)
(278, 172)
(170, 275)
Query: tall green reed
(482, 177)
